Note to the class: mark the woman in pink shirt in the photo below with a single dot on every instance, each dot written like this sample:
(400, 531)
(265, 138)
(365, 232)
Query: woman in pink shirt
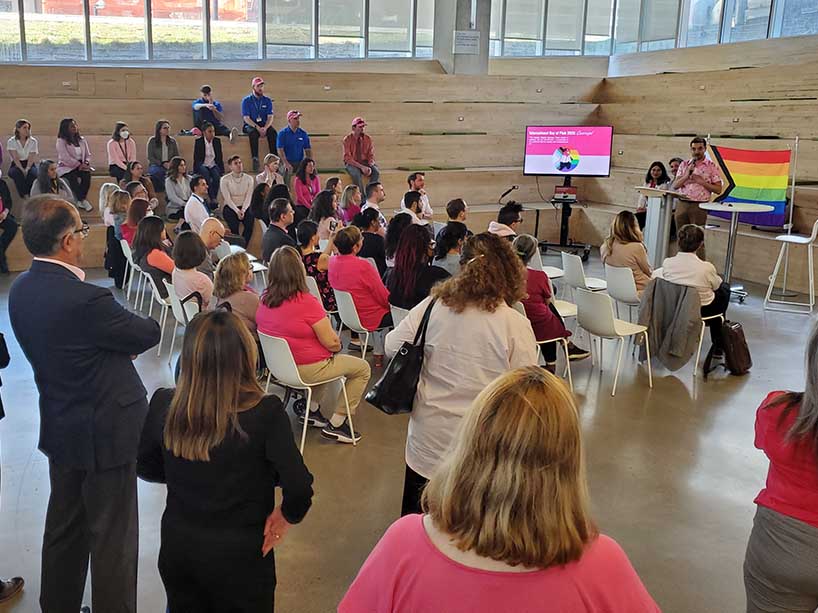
(506, 525)
(307, 184)
(349, 273)
(121, 150)
(288, 310)
(74, 161)
(350, 203)
(781, 564)
(188, 254)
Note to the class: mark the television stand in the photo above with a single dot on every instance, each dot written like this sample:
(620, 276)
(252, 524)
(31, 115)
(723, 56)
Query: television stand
(565, 199)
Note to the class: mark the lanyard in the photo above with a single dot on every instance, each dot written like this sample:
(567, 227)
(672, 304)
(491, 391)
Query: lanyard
(124, 149)
(258, 104)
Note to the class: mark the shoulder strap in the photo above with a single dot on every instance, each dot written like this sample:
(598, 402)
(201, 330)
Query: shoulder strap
(420, 335)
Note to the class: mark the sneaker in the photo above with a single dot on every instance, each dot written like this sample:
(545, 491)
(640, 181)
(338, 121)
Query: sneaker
(86, 206)
(355, 345)
(315, 420)
(575, 353)
(233, 133)
(718, 354)
(342, 433)
(255, 164)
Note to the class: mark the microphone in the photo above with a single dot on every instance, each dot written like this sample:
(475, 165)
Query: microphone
(507, 192)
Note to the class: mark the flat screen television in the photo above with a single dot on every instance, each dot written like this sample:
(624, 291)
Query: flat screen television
(568, 151)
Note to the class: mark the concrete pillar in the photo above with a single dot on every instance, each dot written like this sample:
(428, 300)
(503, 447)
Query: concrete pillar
(451, 15)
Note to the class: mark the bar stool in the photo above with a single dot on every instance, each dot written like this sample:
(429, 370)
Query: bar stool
(786, 240)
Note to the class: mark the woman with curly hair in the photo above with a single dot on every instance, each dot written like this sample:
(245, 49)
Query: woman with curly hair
(473, 336)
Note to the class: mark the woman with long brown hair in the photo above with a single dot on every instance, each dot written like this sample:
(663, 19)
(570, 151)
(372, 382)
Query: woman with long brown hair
(222, 447)
(507, 524)
(473, 336)
(625, 248)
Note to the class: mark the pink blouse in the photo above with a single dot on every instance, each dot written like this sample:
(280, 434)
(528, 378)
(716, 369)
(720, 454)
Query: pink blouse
(304, 194)
(352, 274)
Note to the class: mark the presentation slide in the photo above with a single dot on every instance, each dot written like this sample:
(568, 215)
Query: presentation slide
(568, 150)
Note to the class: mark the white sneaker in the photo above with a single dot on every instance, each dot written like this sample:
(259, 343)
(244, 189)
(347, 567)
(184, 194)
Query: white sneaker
(233, 133)
(86, 206)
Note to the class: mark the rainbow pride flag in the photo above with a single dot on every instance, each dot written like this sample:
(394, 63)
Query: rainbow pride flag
(759, 177)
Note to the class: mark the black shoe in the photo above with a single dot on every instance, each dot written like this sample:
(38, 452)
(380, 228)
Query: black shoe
(255, 164)
(575, 353)
(342, 433)
(10, 588)
(355, 345)
(718, 354)
(315, 420)
(85, 609)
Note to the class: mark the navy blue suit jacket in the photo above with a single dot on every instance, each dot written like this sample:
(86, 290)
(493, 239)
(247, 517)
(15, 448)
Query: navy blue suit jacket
(79, 340)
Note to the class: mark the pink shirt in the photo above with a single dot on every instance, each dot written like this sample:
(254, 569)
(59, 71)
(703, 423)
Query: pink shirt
(305, 193)
(406, 573)
(349, 213)
(707, 170)
(352, 274)
(293, 321)
(121, 152)
(185, 282)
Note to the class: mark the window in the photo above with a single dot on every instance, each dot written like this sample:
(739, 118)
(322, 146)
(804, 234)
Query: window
(703, 22)
(234, 29)
(290, 32)
(564, 27)
(798, 17)
(627, 26)
(55, 31)
(746, 20)
(598, 27)
(118, 30)
(424, 28)
(523, 31)
(390, 28)
(10, 40)
(178, 31)
(340, 28)
(496, 28)
(660, 22)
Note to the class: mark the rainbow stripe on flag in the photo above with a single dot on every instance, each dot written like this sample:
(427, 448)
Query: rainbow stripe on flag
(759, 177)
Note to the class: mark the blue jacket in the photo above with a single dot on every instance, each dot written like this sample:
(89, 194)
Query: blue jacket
(79, 340)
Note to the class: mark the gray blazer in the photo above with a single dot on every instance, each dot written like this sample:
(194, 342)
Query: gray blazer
(673, 316)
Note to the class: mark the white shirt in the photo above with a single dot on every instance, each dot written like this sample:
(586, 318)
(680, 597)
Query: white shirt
(415, 219)
(210, 154)
(381, 218)
(196, 212)
(425, 208)
(23, 151)
(237, 191)
(689, 270)
(79, 272)
(457, 366)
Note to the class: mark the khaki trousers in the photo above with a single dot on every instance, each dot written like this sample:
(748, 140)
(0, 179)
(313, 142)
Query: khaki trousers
(331, 396)
(690, 212)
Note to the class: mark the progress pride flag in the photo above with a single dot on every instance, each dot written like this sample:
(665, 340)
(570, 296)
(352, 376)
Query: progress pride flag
(568, 150)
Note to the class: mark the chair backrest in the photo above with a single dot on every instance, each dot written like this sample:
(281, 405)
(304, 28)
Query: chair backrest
(536, 261)
(263, 226)
(621, 285)
(222, 250)
(574, 272)
(438, 226)
(347, 311)
(312, 285)
(595, 313)
(398, 314)
(814, 233)
(126, 250)
(183, 313)
(280, 360)
(157, 295)
(518, 306)
(372, 261)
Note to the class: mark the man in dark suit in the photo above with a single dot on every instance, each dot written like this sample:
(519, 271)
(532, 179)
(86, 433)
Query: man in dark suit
(281, 218)
(208, 160)
(80, 342)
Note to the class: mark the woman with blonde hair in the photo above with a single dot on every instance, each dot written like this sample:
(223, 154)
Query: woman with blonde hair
(270, 175)
(625, 248)
(231, 285)
(472, 337)
(119, 201)
(222, 447)
(507, 524)
(350, 203)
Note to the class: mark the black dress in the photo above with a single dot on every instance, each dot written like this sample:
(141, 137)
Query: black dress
(374, 247)
(212, 529)
(427, 276)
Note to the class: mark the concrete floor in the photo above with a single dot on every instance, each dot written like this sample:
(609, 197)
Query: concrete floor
(673, 473)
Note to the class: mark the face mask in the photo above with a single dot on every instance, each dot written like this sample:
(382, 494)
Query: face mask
(124, 134)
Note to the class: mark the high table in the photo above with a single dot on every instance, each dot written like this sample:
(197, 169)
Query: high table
(734, 209)
(657, 222)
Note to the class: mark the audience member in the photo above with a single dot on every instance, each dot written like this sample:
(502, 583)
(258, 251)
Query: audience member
(508, 220)
(375, 194)
(351, 203)
(457, 366)
(212, 235)
(162, 148)
(289, 311)
(374, 244)
(457, 210)
(316, 262)
(119, 202)
(23, 150)
(685, 268)
(359, 155)
(134, 173)
(151, 252)
(393, 233)
(206, 109)
(257, 112)
(349, 273)
(49, 182)
(281, 217)
(625, 248)
(257, 200)
(324, 213)
(208, 161)
(237, 194)
(231, 285)
(196, 209)
(105, 192)
(188, 254)
(177, 188)
(539, 306)
(333, 184)
(673, 164)
(417, 183)
(507, 525)
(412, 278)
(293, 145)
(410, 205)
(222, 447)
(307, 183)
(8, 224)
(449, 246)
(780, 573)
(92, 407)
(270, 176)
(74, 162)
(114, 258)
(656, 178)
(138, 209)
(121, 150)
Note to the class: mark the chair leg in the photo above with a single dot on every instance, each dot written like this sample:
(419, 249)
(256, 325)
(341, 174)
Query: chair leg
(650, 369)
(172, 341)
(601, 363)
(567, 364)
(699, 350)
(364, 345)
(775, 274)
(306, 421)
(129, 273)
(267, 386)
(621, 345)
(811, 279)
(349, 414)
(162, 318)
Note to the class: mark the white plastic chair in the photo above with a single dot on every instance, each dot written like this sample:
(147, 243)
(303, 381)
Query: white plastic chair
(164, 305)
(518, 306)
(281, 366)
(437, 226)
(575, 274)
(182, 313)
(701, 340)
(622, 288)
(596, 315)
(786, 240)
(312, 286)
(349, 317)
(536, 261)
(132, 268)
(398, 314)
(374, 264)
(263, 226)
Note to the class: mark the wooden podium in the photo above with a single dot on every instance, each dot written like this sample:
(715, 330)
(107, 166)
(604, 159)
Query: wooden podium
(657, 222)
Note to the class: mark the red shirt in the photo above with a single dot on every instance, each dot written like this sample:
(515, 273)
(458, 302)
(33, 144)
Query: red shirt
(352, 274)
(544, 322)
(128, 232)
(359, 149)
(293, 321)
(792, 479)
(407, 573)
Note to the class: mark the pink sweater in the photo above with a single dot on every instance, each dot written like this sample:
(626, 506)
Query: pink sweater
(355, 275)
(70, 157)
(121, 152)
(304, 194)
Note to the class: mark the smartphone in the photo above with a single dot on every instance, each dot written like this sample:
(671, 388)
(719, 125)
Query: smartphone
(332, 225)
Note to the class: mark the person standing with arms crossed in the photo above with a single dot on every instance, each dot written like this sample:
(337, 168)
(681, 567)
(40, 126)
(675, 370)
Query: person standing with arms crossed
(257, 112)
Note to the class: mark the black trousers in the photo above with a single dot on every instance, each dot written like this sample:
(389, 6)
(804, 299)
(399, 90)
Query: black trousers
(254, 136)
(90, 514)
(549, 350)
(23, 179)
(116, 172)
(9, 228)
(80, 182)
(115, 262)
(413, 485)
(215, 567)
(717, 307)
(233, 222)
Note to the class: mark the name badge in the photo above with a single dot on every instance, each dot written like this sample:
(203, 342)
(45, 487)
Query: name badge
(258, 118)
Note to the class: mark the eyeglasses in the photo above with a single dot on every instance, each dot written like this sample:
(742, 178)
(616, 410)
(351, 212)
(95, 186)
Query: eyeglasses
(85, 230)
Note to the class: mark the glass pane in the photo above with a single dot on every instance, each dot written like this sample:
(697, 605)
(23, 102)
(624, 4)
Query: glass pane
(799, 18)
(390, 25)
(9, 33)
(340, 28)
(424, 52)
(178, 33)
(627, 26)
(703, 22)
(425, 26)
(496, 17)
(598, 27)
(524, 19)
(234, 29)
(564, 25)
(747, 20)
(55, 32)
(658, 45)
(522, 48)
(290, 52)
(117, 30)
(660, 20)
(494, 48)
(289, 22)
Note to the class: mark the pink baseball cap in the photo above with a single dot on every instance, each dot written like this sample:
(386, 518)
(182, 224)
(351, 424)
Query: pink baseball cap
(257, 81)
(358, 121)
(294, 115)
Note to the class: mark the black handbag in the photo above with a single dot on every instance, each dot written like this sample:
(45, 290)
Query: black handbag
(394, 393)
